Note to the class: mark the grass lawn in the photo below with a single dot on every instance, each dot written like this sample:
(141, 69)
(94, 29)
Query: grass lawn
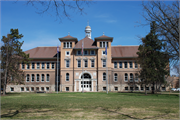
(89, 106)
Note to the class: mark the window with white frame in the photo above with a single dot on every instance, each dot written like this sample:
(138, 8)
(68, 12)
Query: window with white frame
(32, 67)
(27, 66)
(79, 63)
(104, 88)
(42, 88)
(115, 77)
(116, 88)
(42, 78)
(37, 77)
(47, 88)
(32, 88)
(136, 77)
(115, 64)
(67, 53)
(104, 63)
(103, 44)
(27, 88)
(92, 52)
(120, 64)
(12, 89)
(22, 88)
(125, 77)
(37, 67)
(85, 63)
(131, 77)
(136, 66)
(47, 77)
(79, 52)
(42, 67)
(67, 63)
(32, 78)
(67, 88)
(85, 52)
(125, 64)
(23, 66)
(27, 78)
(67, 44)
(52, 65)
(47, 65)
(130, 65)
(67, 76)
(92, 63)
(104, 76)
(103, 52)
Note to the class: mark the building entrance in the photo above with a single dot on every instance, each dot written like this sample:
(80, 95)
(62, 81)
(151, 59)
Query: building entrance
(86, 82)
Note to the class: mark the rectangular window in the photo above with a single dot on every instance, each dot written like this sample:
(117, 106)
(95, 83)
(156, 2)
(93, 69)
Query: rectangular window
(142, 88)
(67, 63)
(37, 66)
(85, 63)
(126, 88)
(147, 88)
(37, 88)
(92, 63)
(136, 66)
(101, 44)
(42, 67)
(130, 65)
(116, 88)
(23, 66)
(52, 65)
(67, 45)
(70, 44)
(104, 88)
(32, 88)
(115, 77)
(104, 76)
(120, 64)
(79, 63)
(12, 89)
(104, 63)
(125, 64)
(47, 65)
(27, 88)
(47, 88)
(79, 52)
(115, 64)
(47, 77)
(27, 78)
(131, 88)
(85, 52)
(22, 88)
(164, 88)
(136, 88)
(67, 88)
(64, 44)
(42, 88)
(104, 44)
(92, 52)
(27, 66)
(32, 66)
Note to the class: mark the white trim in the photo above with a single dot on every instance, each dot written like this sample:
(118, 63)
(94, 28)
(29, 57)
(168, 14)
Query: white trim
(102, 63)
(26, 78)
(32, 65)
(31, 77)
(116, 64)
(94, 64)
(36, 77)
(37, 66)
(66, 53)
(104, 52)
(46, 77)
(85, 63)
(125, 77)
(42, 65)
(41, 78)
(84, 73)
(46, 65)
(77, 63)
(66, 77)
(66, 64)
(116, 76)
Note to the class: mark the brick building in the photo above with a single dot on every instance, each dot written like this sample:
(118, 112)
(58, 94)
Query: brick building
(41, 74)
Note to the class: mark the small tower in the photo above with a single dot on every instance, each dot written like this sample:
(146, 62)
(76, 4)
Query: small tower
(88, 31)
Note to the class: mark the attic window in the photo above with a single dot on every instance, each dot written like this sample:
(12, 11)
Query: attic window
(103, 44)
(67, 44)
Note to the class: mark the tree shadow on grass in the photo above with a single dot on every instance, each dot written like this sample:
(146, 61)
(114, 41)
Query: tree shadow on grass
(10, 114)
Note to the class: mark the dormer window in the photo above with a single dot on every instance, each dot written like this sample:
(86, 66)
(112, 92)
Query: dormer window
(85, 52)
(103, 44)
(78, 52)
(67, 44)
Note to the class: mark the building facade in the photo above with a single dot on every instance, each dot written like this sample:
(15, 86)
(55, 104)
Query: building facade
(92, 69)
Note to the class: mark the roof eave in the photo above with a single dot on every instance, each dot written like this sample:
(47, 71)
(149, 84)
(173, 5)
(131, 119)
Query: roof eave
(105, 38)
(68, 39)
(84, 48)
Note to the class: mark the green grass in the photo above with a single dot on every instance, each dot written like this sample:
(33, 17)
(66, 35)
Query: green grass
(89, 106)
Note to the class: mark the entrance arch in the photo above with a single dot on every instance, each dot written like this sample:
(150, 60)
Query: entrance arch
(86, 81)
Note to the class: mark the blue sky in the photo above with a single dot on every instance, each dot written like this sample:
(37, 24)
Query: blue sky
(116, 19)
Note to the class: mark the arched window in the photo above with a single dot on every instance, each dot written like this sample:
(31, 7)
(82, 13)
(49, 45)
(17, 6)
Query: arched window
(115, 77)
(47, 77)
(131, 77)
(32, 78)
(86, 76)
(37, 77)
(136, 77)
(104, 76)
(126, 77)
(42, 78)
(27, 78)
(67, 76)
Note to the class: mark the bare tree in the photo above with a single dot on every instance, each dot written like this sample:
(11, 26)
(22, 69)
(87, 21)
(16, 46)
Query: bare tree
(60, 8)
(167, 18)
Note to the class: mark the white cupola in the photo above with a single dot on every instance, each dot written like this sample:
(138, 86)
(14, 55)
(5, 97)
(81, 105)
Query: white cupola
(88, 31)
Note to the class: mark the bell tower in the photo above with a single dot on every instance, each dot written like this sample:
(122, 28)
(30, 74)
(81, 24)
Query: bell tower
(88, 31)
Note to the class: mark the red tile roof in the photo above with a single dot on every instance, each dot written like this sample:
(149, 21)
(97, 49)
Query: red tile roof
(88, 43)
(124, 51)
(68, 36)
(42, 52)
(104, 37)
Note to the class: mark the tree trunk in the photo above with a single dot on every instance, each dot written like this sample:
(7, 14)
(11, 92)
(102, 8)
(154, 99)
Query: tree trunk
(153, 88)
(145, 90)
